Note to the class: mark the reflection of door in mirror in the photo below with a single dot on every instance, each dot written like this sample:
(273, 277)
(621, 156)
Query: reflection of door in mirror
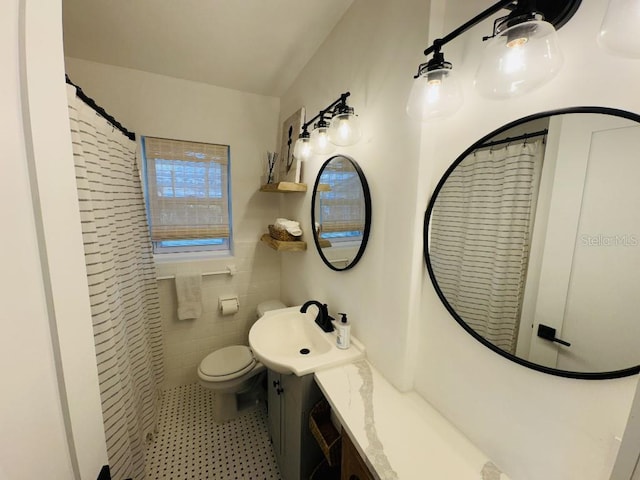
(586, 227)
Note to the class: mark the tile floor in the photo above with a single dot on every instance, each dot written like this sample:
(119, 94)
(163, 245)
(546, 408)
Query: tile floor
(191, 445)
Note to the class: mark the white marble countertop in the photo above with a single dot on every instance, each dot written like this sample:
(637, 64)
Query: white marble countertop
(399, 435)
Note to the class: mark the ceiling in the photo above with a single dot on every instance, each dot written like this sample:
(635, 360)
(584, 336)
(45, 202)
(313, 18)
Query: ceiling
(257, 46)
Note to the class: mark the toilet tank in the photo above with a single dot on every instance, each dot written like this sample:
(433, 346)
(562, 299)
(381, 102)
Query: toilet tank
(264, 307)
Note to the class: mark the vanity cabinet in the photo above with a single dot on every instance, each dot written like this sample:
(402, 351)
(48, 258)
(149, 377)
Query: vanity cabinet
(353, 466)
(290, 399)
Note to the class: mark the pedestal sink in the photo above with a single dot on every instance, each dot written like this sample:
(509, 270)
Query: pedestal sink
(287, 341)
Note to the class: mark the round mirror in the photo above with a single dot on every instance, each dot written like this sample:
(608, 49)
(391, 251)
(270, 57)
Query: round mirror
(341, 212)
(532, 241)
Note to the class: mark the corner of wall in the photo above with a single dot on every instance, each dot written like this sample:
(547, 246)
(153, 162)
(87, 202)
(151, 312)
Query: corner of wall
(52, 174)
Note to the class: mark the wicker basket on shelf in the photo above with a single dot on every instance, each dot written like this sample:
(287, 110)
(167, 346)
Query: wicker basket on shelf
(327, 436)
(281, 234)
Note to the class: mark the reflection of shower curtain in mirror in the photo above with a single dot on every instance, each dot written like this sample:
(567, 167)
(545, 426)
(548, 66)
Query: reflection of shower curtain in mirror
(125, 307)
(480, 237)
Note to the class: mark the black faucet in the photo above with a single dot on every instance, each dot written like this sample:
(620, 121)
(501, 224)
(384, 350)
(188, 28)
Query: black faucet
(322, 319)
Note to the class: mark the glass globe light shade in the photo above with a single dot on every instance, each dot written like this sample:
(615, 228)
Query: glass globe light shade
(619, 30)
(518, 60)
(345, 128)
(434, 94)
(320, 140)
(302, 149)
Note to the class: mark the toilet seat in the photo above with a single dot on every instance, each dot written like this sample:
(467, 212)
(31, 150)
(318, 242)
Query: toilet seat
(227, 363)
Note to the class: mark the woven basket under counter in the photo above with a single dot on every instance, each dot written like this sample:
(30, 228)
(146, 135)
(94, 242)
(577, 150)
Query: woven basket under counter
(327, 436)
(281, 234)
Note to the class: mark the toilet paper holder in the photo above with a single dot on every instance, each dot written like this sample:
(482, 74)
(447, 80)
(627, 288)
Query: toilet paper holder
(228, 304)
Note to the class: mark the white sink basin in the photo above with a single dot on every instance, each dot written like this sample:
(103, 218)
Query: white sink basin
(288, 341)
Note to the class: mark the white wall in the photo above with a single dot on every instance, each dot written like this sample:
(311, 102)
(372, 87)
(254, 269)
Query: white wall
(156, 105)
(50, 418)
(372, 53)
(533, 425)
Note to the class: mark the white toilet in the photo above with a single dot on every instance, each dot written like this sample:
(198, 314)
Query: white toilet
(234, 374)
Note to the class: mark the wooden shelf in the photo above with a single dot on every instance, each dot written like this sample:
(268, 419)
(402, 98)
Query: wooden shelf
(284, 187)
(280, 246)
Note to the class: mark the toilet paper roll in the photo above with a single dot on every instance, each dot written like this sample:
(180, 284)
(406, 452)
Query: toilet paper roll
(228, 306)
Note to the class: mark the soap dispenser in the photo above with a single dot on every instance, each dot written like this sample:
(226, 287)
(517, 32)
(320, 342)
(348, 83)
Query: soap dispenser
(344, 332)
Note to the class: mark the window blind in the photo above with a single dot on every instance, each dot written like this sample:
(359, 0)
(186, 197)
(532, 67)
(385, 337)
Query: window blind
(187, 189)
(342, 208)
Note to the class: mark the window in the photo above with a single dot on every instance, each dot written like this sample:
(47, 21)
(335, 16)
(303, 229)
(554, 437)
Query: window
(187, 195)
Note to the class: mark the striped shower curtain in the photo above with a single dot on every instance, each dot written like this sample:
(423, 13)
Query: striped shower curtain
(122, 285)
(480, 237)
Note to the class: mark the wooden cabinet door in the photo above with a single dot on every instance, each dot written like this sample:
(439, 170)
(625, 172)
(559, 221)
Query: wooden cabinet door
(353, 466)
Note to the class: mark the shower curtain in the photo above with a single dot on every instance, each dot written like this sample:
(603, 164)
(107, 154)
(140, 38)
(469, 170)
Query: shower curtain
(480, 237)
(122, 285)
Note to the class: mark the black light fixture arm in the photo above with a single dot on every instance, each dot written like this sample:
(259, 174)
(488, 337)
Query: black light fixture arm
(340, 102)
(556, 12)
(496, 7)
(437, 61)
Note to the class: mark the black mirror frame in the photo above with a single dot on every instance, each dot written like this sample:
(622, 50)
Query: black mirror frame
(540, 368)
(367, 206)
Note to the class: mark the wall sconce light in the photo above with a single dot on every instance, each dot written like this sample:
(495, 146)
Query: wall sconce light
(320, 142)
(522, 55)
(302, 149)
(343, 129)
(436, 91)
(619, 31)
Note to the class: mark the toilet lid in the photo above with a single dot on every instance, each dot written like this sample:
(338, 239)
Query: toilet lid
(228, 362)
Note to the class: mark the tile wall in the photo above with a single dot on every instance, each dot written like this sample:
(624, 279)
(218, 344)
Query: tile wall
(187, 342)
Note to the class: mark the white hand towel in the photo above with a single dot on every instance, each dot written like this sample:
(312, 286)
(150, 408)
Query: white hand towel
(189, 291)
(290, 226)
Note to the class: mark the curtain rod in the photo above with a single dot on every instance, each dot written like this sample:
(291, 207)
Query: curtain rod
(524, 136)
(92, 103)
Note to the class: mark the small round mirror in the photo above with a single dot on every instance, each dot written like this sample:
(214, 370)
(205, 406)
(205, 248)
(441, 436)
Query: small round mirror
(340, 212)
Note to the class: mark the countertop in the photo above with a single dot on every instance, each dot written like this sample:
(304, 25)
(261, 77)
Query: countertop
(399, 435)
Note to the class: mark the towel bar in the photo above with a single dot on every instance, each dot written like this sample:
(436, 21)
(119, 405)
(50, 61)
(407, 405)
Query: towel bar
(230, 270)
